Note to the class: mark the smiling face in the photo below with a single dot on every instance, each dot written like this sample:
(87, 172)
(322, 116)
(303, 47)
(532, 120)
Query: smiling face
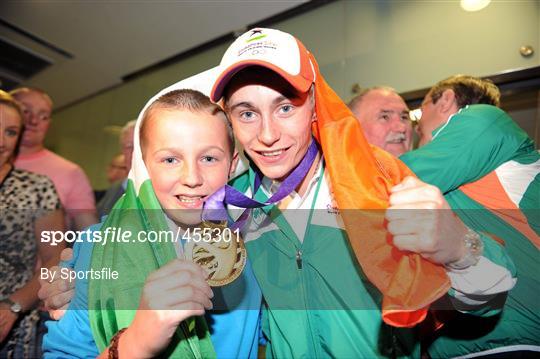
(10, 130)
(188, 158)
(385, 120)
(271, 121)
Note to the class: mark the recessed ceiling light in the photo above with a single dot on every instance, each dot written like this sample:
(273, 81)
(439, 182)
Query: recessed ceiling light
(474, 5)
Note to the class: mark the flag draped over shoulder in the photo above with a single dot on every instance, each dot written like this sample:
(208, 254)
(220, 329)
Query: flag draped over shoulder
(361, 177)
(112, 304)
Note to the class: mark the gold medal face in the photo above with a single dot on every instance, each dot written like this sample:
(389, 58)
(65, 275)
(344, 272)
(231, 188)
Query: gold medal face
(219, 251)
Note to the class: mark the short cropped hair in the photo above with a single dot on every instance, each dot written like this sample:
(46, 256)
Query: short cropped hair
(129, 125)
(190, 100)
(356, 100)
(21, 90)
(468, 90)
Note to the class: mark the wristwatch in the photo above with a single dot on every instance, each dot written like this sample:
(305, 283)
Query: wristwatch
(474, 249)
(13, 306)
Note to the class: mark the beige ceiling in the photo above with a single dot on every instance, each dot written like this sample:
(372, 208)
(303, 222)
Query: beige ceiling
(109, 40)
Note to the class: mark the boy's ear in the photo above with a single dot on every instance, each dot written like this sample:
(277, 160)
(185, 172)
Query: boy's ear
(234, 162)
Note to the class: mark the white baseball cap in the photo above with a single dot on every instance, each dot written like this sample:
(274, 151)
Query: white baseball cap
(273, 49)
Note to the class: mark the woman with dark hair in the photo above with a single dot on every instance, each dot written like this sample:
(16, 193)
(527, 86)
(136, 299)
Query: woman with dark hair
(28, 205)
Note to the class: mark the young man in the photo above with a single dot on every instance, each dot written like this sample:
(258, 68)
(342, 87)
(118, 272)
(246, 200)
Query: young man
(488, 169)
(321, 301)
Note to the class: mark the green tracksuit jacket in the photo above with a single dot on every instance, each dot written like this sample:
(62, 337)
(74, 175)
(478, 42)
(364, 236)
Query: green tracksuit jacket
(480, 159)
(319, 303)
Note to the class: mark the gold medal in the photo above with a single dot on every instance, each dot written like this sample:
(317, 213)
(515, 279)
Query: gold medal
(220, 251)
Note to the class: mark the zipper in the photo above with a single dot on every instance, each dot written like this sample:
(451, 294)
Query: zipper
(306, 309)
(299, 258)
(187, 334)
(315, 343)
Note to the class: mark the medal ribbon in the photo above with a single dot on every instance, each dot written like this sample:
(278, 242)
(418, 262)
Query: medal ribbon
(214, 207)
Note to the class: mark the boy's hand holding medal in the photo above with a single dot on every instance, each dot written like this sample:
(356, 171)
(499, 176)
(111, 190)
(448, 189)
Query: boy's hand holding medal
(170, 295)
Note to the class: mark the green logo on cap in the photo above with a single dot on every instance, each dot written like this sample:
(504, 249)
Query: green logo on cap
(255, 38)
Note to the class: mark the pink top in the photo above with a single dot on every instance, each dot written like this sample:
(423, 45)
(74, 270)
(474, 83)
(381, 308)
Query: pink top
(69, 179)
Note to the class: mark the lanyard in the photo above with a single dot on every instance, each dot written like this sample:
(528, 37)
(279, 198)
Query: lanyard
(214, 207)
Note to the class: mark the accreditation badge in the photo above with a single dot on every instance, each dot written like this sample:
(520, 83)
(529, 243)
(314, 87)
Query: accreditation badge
(220, 251)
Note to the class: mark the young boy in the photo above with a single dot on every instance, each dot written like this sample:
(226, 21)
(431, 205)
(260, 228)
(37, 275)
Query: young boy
(184, 155)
